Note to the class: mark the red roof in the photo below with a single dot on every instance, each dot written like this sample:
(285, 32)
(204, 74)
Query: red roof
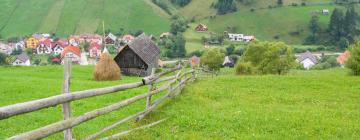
(62, 43)
(128, 37)
(343, 57)
(73, 49)
(95, 45)
(56, 60)
(46, 42)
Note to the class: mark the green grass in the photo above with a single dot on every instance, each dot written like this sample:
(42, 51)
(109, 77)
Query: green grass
(66, 17)
(300, 105)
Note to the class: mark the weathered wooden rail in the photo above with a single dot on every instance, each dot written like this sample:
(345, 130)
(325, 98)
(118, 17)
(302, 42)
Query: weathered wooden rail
(174, 84)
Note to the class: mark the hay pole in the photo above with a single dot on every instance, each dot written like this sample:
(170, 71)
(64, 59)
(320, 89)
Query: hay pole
(72, 122)
(30, 106)
(66, 109)
(118, 135)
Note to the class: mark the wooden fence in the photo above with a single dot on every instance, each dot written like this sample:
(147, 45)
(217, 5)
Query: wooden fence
(173, 84)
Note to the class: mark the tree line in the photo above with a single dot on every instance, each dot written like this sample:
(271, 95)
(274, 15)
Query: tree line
(341, 31)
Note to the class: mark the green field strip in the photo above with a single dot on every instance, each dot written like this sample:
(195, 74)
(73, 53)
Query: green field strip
(51, 21)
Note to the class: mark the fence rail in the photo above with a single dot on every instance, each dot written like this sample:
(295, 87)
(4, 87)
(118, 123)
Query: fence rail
(174, 84)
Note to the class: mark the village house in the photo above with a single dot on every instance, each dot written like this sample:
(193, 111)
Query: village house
(127, 39)
(236, 37)
(22, 60)
(325, 11)
(164, 35)
(91, 38)
(58, 46)
(195, 61)
(228, 62)
(44, 47)
(110, 39)
(201, 28)
(74, 40)
(32, 43)
(73, 53)
(18, 45)
(307, 60)
(94, 50)
(341, 59)
(138, 57)
(5, 48)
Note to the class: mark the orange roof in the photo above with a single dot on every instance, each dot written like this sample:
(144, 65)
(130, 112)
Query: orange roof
(73, 49)
(128, 37)
(343, 57)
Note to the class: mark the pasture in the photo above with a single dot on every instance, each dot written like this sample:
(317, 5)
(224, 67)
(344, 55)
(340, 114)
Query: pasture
(66, 17)
(301, 105)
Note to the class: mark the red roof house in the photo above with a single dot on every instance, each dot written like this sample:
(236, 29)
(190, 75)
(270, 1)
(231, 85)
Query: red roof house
(127, 38)
(94, 50)
(201, 28)
(73, 53)
(343, 58)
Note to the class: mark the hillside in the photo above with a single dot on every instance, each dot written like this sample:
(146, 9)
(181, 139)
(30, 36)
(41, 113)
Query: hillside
(65, 17)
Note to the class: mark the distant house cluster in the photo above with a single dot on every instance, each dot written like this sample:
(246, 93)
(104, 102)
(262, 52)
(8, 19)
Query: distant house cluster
(308, 59)
(240, 37)
(42, 43)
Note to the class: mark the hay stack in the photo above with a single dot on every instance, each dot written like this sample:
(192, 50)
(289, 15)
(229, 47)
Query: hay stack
(106, 69)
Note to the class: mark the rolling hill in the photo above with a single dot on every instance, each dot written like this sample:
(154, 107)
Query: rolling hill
(65, 17)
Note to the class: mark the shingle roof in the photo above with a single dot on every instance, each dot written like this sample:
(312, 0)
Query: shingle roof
(145, 48)
(74, 49)
(306, 55)
(23, 57)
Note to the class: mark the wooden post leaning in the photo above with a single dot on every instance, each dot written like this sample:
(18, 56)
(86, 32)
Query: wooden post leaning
(66, 90)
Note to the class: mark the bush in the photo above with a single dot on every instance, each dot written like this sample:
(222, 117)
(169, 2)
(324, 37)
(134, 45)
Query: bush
(244, 68)
(106, 69)
(3, 59)
(353, 62)
(270, 57)
(303, 4)
(212, 58)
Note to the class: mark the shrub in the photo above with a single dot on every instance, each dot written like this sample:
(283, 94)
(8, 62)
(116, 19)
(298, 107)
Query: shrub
(212, 58)
(244, 68)
(353, 62)
(3, 59)
(303, 4)
(106, 69)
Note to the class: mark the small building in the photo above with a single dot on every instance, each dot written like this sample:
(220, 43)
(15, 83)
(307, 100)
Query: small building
(44, 47)
(195, 61)
(110, 39)
(58, 46)
(32, 43)
(139, 57)
(94, 50)
(307, 60)
(228, 62)
(72, 52)
(74, 40)
(236, 37)
(19, 45)
(91, 38)
(325, 11)
(201, 28)
(127, 39)
(248, 39)
(5, 48)
(21, 60)
(164, 35)
(341, 59)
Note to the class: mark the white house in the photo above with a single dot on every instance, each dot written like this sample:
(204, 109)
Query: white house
(73, 53)
(307, 60)
(5, 48)
(325, 11)
(248, 38)
(22, 60)
(228, 62)
(236, 37)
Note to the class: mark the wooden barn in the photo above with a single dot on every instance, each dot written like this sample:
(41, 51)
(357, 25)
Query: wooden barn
(139, 57)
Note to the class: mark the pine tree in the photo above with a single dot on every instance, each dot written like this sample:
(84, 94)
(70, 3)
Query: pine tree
(350, 23)
(336, 29)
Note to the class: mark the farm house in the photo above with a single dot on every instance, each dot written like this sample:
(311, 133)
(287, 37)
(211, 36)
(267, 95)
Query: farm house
(139, 57)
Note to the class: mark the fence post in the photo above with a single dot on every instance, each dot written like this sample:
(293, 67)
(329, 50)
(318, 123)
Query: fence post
(66, 90)
(148, 99)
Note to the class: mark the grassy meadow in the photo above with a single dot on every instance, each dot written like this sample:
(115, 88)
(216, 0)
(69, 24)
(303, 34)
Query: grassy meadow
(65, 17)
(301, 105)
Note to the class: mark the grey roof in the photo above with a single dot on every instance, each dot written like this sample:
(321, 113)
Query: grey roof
(23, 57)
(145, 48)
(309, 55)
